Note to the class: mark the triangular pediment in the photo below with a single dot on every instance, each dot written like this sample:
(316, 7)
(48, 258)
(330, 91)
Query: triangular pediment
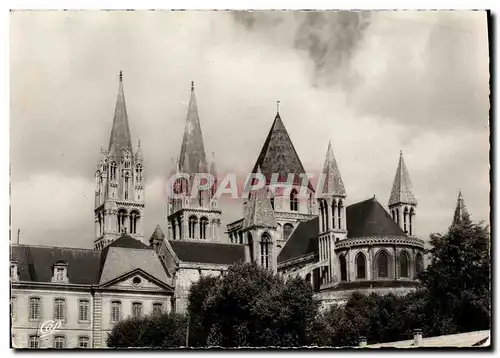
(137, 280)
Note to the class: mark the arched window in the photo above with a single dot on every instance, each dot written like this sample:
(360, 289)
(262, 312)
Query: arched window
(138, 173)
(265, 246)
(327, 216)
(193, 222)
(287, 231)
(419, 263)
(382, 265)
(403, 265)
(322, 213)
(240, 237)
(203, 228)
(339, 213)
(412, 213)
(334, 209)
(271, 200)
(360, 266)
(134, 218)
(250, 245)
(112, 173)
(397, 216)
(294, 203)
(343, 268)
(405, 219)
(122, 223)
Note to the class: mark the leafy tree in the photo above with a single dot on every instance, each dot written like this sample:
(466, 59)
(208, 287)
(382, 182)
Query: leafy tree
(458, 278)
(251, 306)
(165, 331)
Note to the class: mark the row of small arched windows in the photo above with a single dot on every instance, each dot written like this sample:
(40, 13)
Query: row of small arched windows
(336, 214)
(381, 265)
(407, 219)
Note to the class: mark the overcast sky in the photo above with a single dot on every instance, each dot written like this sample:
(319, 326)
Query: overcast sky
(372, 83)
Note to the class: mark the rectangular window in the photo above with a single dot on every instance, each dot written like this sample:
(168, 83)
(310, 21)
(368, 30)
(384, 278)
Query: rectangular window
(60, 274)
(83, 342)
(116, 311)
(59, 309)
(34, 342)
(35, 308)
(13, 272)
(157, 309)
(136, 309)
(83, 310)
(59, 342)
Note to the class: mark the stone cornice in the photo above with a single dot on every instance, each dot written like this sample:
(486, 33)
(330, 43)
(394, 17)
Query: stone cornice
(379, 240)
(130, 203)
(238, 224)
(293, 215)
(296, 260)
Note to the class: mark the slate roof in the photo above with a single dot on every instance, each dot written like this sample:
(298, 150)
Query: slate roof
(208, 252)
(364, 219)
(402, 189)
(120, 133)
(304, 240)
(35, 263)
(278, 155)
(333, 183)
(369, 218)
(86, 266)
(192, 158)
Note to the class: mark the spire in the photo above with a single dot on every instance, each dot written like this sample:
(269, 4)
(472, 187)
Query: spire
(192, 141)
(213, 168)
(402, 189)
(333, 184)
(157, 235)
(120, 133)
(258, 209)
(461, 213)
(138, 153)
(278, 155)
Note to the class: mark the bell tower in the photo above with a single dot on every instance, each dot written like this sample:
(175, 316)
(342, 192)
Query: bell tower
(119, 194)
(402, 203)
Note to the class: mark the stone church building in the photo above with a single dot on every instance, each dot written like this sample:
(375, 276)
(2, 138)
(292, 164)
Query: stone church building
(337, 246)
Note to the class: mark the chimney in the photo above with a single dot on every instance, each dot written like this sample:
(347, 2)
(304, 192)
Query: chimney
(362, 341)
(417, 337)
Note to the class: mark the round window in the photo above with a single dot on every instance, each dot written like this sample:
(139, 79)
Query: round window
(136, 281)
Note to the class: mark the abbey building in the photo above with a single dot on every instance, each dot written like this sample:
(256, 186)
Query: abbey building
(134, 270)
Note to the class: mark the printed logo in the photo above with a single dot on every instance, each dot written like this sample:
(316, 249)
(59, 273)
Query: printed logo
(49, 327)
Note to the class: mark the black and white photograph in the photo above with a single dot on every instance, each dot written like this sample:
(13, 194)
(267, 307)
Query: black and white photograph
(249, 179)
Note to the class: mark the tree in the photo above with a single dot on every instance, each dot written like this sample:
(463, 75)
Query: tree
(458, 278)
(164, 331)
(251, 306)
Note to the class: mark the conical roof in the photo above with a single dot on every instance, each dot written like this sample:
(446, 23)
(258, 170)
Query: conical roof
(258, 209)
(333, 184)
(192, 149)
(278, 155)
(461, 213)
(157, 235)
(402, 192)
(120, 139)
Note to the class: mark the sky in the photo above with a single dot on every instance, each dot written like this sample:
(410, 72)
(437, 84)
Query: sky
(373, 83)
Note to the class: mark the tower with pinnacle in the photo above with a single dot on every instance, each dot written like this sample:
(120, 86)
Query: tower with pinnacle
(402, 202)
(119, 194)
(332, 214)
(461, 214)
(193, 216)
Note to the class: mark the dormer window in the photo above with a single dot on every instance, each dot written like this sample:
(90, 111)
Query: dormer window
(14, 272)
(60, 273)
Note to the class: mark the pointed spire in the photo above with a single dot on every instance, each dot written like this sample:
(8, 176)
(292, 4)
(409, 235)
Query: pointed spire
(138, 153)
(258, 209)
(461, 213)
(213, 168)
(157, 235)
(402, 192)
(120, 133)
(333, 184)
(192, 141)
(278, 155)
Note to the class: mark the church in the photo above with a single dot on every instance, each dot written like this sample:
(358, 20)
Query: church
(337, 246)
